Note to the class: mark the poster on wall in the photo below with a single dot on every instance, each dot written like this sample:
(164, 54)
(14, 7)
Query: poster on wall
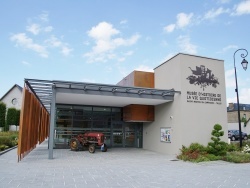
(165, 134)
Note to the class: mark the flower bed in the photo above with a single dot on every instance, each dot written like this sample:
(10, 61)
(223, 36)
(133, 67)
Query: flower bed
(8, 140)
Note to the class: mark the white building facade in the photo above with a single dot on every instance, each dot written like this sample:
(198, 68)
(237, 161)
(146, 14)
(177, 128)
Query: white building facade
(193, 113)
(177, 105)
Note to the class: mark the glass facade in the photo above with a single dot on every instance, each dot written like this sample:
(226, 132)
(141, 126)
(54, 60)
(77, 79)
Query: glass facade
(72, 120)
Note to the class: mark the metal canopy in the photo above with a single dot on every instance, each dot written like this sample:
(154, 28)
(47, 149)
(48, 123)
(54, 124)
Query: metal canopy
(81, 93)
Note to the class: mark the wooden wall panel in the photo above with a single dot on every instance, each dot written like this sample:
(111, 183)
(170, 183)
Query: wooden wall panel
(138, 113)
(139, 79)
(144, 79)
(34, 124)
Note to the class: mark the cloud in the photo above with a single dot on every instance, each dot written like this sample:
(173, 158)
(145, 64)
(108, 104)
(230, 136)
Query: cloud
(182, 21)
(44, 17)
(229, 78)
(166, 58)
(223, 1)
(169, 28)
(54, 42)
(229, 47)
(25, 63)
(242, 8)
(244, 97)
(144, 68)
(103, 31)
(66, 51)
(34, 28)
(123, 21)
(48, 29)
(215, 12)
(129, 53)
(186, 46)
(106, 42)
(22, 40)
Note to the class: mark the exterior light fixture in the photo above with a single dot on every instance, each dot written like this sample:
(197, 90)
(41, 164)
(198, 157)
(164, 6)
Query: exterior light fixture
(244, 65)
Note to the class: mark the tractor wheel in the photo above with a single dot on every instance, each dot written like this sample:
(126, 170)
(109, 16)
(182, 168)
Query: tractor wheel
(92, 148)
(74, 144)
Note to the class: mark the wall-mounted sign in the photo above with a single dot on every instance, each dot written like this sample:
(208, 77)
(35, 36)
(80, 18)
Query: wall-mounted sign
(165, 134)
(202, 77)
(203, 97)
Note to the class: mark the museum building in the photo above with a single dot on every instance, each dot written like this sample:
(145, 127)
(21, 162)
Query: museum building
(176, 105)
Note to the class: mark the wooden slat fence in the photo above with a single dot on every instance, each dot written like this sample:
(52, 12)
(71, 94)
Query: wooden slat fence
(34, 124)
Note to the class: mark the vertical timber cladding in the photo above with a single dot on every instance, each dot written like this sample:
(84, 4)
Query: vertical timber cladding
(138, 79)
(134, 112)
(138, 113)
(144, 79)
(34, 122)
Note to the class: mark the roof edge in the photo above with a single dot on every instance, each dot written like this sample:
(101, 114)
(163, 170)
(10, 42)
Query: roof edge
(187, 55)
(15, 85)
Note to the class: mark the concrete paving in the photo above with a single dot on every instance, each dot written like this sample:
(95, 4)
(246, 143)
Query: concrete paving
(129, 167)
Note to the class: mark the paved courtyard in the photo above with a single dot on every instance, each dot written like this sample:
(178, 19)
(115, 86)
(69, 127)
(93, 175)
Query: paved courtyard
(129, 167)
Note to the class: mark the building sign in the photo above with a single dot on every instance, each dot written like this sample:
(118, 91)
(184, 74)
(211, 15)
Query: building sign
(165, 134)
(203, 97)
(202, 77)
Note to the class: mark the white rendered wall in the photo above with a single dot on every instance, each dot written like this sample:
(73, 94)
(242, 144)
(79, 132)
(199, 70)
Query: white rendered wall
(190, 121)
(14, 93)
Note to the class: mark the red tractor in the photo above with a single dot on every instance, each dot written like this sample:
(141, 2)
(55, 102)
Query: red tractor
(88, 140)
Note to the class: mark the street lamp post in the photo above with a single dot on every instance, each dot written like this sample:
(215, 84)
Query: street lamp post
(244, 65)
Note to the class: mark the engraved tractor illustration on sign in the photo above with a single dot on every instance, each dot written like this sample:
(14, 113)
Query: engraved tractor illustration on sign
(202, 76)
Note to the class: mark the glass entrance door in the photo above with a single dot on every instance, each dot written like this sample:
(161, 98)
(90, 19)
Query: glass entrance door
(117, 136)
(129, 135)
(124, 135)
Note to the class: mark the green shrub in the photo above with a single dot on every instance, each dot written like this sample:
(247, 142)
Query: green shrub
(196, 153)
(2, 114)
(2, 147)
(17, 119)
(217, 147)
(233, 147)
(9, 139)
(5, 140)
(237, 157)
(9, 133)
(11, 117)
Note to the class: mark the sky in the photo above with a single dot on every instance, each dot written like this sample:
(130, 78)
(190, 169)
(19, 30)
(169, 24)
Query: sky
(103, 41)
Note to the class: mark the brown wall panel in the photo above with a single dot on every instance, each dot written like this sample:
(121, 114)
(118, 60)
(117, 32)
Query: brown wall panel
(138, 113)
(139, 79)
(33, 124)
(144, 79)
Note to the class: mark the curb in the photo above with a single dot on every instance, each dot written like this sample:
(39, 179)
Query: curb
(5, 151)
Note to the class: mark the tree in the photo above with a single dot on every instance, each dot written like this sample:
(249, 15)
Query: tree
(217, 147)
(11, 117)
(17, 117)
(2, 114)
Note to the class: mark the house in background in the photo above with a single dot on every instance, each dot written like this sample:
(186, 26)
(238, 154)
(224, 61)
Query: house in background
(13, 99)
(232, 117)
